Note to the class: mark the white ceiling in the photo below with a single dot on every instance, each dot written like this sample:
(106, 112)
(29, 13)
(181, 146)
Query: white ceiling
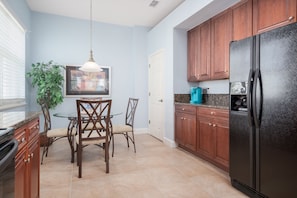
(119, 12)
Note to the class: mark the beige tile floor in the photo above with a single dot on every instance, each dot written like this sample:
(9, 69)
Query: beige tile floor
(154, 171)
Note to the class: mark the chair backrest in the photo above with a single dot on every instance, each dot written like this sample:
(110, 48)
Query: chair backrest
(131, 109)
(93, 118)
(46, 115)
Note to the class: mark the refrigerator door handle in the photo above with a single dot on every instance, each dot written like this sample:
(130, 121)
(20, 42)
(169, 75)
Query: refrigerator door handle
(257, 104)
(249, 98)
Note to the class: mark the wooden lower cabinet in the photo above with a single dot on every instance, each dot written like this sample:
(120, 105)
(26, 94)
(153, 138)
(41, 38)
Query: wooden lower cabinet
(20, 174)
(204, 133)
(206, 137)
(27, 171)
(221, 154)
(185, 126)
(213, 128)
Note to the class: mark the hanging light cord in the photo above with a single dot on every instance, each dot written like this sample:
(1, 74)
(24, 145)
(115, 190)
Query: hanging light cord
(91, 31)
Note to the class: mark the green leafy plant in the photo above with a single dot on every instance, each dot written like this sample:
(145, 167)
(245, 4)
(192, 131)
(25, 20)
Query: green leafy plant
(49, 79)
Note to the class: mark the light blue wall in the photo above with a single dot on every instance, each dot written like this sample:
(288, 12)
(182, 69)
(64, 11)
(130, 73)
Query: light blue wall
(126, 49)
(170, 35)
(162, 37)
(140, 70)
(67, 41)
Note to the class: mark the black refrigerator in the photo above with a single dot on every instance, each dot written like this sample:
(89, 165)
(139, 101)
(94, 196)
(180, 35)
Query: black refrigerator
(263, 114)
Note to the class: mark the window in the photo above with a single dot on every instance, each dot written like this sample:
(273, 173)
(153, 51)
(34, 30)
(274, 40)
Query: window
(12, 61)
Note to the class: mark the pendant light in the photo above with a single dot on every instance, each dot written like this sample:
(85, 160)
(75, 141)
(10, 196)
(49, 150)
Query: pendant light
(91, 65)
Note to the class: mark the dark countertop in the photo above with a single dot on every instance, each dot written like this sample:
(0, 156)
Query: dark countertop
(220, 101)
(204, 105)
(16, 119)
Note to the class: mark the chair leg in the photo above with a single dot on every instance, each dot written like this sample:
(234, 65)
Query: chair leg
(107, 156)
(77, 154)
(45, 150)
(71, 143)
(43, 153)
(112, 139)
(79, 160)
(127, 138)
(70, 136)
(133, 141)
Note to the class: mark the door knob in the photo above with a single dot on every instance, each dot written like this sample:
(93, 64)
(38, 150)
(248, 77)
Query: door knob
(160, 100)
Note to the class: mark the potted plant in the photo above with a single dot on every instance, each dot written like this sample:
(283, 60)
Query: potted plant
(49, 79)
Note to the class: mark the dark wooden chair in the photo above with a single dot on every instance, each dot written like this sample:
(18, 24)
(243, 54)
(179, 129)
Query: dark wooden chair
(52, 135)
(126, 129)
(93, 117)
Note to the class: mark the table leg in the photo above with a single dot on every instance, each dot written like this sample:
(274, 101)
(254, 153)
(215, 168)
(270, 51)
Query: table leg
(70, 136)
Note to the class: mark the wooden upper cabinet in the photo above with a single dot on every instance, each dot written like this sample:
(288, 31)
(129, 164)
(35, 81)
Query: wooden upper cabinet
(270, 14)
(208, 43)
(221, 35)
(192, 54)
(204, 52)
(199, 53)
(242, 20)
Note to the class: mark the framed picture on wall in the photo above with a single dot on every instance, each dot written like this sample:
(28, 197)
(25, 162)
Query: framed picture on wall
(79, 83)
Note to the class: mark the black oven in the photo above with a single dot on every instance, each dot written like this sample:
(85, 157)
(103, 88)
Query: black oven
(8, 149)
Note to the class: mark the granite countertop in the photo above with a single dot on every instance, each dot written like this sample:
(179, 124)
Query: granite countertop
(204, 105)
(220, 101)
(16, 119)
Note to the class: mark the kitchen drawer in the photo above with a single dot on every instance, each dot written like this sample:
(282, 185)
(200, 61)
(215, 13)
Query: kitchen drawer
(20, 136)
(33, 129)
(213, 112)
(186, 108)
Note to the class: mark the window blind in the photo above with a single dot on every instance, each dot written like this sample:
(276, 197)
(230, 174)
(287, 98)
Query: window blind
(12, 61)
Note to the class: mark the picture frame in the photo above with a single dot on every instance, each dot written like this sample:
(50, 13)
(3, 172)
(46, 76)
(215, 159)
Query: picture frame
(86, 84)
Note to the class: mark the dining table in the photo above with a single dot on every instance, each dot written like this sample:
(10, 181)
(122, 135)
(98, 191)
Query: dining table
(72, 125)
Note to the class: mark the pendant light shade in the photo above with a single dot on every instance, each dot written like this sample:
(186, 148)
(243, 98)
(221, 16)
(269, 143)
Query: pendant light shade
(91, 65)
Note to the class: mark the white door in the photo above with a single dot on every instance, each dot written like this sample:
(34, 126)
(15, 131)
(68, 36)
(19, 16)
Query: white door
(156, 95)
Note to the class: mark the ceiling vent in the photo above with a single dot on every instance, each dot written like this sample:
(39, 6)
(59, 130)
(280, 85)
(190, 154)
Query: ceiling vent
(154, 3)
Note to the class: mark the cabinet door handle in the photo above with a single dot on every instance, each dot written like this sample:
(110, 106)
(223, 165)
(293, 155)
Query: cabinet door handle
(21, 140)
(291, 18)
(209, 124)
(183, 109)
(27, 160)
(214, 125)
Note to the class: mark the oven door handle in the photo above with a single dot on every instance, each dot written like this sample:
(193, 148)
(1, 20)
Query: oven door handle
(9, 155)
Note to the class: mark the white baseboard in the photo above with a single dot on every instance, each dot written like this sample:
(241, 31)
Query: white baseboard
(169, 142)
(140, 130)
(166, 141)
